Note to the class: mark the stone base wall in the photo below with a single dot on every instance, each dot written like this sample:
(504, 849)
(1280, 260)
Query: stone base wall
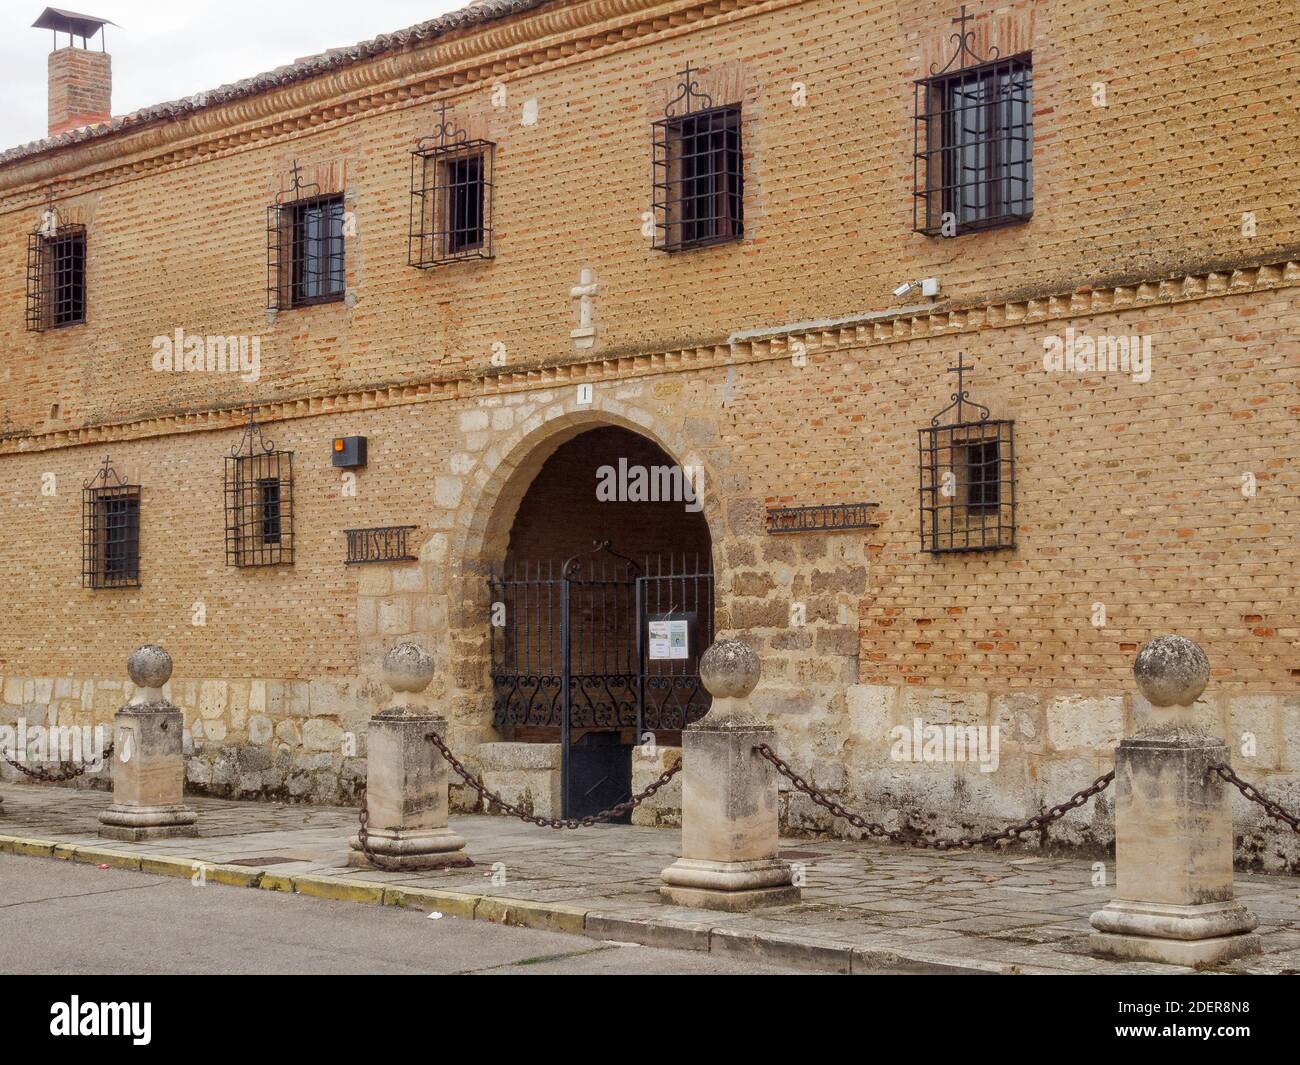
(278, 740)
(294, 741)
(664, 807)
(526, 775)
(1050, 745)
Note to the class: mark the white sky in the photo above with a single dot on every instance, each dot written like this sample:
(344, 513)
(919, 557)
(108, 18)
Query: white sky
(165, 49)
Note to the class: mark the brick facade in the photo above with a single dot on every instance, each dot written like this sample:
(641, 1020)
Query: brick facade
(780, 364)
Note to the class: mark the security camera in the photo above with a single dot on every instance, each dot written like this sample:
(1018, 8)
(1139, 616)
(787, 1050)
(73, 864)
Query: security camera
(929, 286)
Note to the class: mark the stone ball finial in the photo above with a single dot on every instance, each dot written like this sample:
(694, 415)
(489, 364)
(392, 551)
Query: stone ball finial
(408, 667)
(149, 666)
(1171, 671)
(730, 669)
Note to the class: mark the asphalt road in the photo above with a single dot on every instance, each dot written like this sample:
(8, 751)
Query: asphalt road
(57, 917)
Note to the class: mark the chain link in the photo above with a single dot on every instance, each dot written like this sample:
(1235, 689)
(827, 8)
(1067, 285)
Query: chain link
(1223, 770)
(363, 837)
(50, 776)
(913, 838)
(550, 822)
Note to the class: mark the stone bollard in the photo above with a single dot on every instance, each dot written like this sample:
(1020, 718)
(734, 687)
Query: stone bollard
(148, 766)
(406, 777)
(730, 834)
(1173, 828)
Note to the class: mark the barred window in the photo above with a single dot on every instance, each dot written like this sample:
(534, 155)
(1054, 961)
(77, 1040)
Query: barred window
(983, 474)
(268, 531)
(318, 274)
(451, 197)
(699, 195)
(967, 477)
(305, 256)
(110, 531)
(973, 144)
(56, 276)
(259, 502)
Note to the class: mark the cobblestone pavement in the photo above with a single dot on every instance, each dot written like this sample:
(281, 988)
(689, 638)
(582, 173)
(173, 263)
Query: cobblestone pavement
(866, 907)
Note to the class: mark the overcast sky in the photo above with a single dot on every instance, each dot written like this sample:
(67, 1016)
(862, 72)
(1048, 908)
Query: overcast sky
(165, 49)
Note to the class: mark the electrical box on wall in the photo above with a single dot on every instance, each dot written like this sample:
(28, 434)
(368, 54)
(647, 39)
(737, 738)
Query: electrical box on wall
(349, 451)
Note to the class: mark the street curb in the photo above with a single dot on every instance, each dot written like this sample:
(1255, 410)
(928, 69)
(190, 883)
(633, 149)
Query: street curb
(548, 916)
(429, 900)
(782, 950)
(672, 934)
(647, 931)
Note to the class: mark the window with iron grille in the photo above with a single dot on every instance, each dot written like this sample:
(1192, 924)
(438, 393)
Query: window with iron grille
(973, 142)
(967, 477)
(259, 502)
(699, 193)
(110, 531)
(56, 275)
(451, 197)
(304, 240)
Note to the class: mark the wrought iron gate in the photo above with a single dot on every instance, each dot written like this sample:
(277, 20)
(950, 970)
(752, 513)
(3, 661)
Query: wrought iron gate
(596, 653)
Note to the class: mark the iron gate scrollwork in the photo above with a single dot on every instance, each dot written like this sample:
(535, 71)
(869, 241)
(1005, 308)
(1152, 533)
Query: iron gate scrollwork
(596, 652)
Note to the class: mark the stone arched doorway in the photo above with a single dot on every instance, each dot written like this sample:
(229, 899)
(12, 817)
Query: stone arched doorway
(600, 609)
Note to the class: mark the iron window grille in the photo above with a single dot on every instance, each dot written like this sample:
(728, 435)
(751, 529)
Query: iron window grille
(259, 502)
(304, 246)
(967, 476)
(973, 141)
(110, 531)
(56, 274)
(699, 181)
(451, 197)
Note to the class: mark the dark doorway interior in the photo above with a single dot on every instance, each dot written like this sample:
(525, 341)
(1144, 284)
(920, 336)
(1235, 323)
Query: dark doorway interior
(560, 515)
(602, 608)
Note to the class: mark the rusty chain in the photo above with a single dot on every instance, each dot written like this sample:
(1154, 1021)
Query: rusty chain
(914, 838)
(1224, 771)
(551, 822)
(48, 776)
(363, 838)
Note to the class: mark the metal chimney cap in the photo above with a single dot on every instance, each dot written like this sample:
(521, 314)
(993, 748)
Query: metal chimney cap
(61, 21)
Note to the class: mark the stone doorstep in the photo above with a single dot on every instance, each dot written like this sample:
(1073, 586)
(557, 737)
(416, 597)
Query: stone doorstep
(670, 932)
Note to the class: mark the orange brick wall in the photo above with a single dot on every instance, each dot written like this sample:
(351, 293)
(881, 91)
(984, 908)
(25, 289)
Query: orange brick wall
(1196, 133)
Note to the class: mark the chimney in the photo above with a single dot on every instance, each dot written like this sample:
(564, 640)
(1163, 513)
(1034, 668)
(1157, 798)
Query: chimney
(80, 80)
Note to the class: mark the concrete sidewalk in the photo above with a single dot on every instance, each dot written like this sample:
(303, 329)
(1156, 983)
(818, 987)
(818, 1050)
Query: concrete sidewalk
(866, 907)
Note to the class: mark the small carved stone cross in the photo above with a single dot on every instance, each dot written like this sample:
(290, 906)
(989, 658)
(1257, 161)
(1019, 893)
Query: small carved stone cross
(584, 335)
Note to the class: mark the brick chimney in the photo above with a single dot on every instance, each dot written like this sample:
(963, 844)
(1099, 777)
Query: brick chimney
(81, 88)
(80, 80)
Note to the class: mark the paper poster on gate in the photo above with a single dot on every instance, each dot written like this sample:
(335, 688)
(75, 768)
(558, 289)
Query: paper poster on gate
(668, 640)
